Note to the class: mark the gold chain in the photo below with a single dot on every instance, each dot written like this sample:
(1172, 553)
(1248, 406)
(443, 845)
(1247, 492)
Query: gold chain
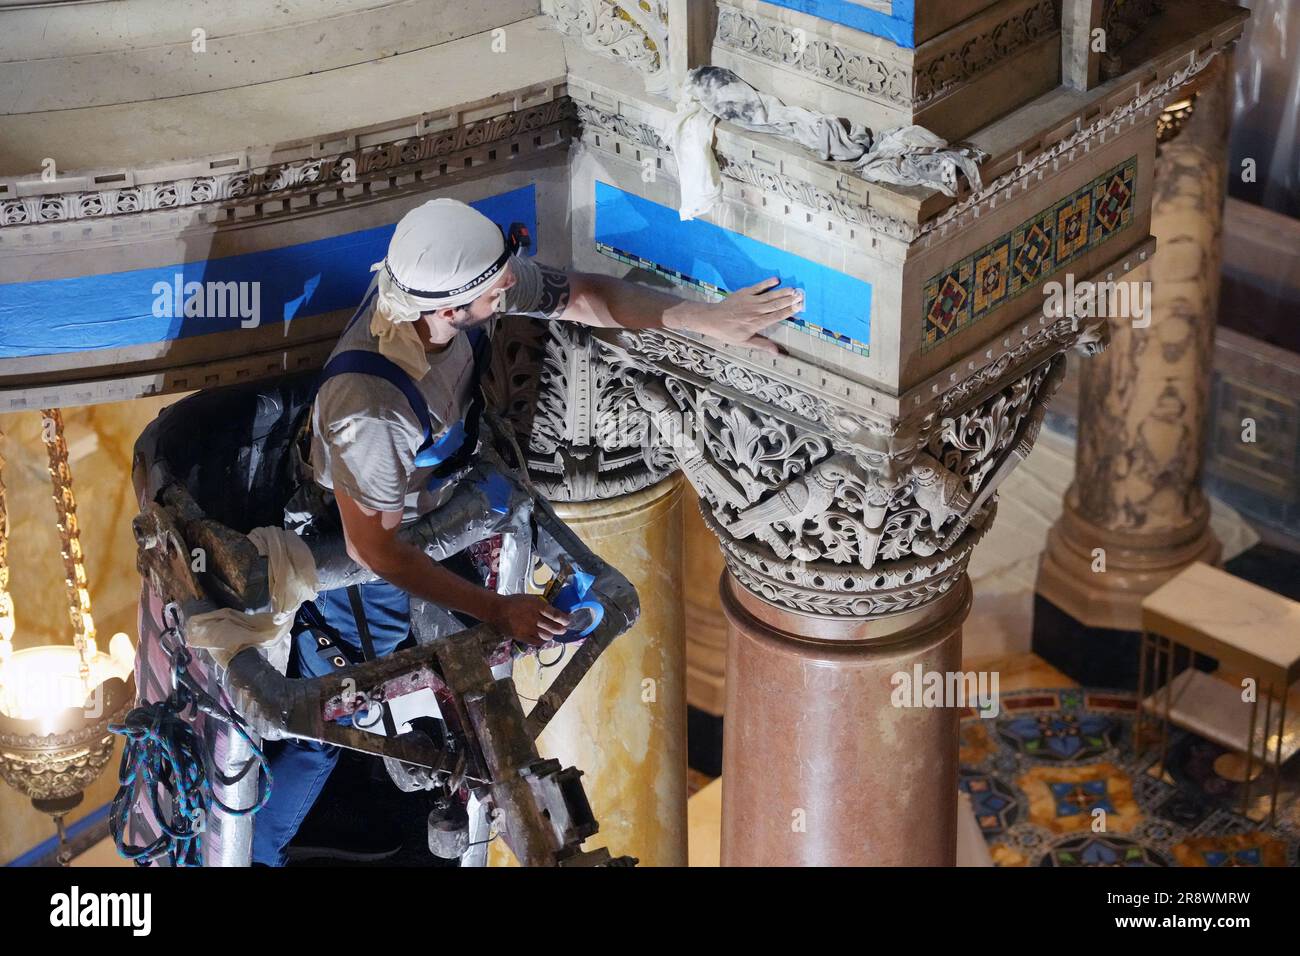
(74, 568)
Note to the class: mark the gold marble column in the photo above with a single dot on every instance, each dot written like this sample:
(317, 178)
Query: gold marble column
(706, 625)
(1136, 502)
(820, 768)
(625, 725)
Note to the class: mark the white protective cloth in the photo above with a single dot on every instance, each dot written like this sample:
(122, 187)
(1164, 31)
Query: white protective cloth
(439, 246)
(712, 93)
(913, 156)
(291, 574)
(905, 155)
(690, 135)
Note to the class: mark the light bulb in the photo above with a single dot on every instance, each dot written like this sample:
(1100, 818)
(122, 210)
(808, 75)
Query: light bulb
(38, 683)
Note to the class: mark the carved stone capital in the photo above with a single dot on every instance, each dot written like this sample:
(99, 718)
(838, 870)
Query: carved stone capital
(820, 508)
(574, 413)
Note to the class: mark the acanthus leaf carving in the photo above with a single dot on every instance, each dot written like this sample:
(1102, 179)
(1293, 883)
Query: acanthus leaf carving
(574, 411)
(821, 514)
(635, 33)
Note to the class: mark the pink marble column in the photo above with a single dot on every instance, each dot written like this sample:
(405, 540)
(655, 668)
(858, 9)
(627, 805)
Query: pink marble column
(820, 768)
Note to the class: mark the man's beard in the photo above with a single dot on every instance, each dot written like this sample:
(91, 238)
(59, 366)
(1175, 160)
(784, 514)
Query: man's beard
(469, 322)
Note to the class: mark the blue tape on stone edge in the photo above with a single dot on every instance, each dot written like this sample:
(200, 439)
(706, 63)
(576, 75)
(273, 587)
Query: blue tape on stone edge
(898, 26)
(121, 309)
(642, 232)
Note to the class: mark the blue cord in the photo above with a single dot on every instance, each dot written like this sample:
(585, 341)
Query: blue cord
(165, 755)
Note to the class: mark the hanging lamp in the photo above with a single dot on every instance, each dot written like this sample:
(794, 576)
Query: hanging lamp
(57, 700)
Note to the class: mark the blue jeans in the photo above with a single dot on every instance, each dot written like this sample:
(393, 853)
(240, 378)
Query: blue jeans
(300, 769)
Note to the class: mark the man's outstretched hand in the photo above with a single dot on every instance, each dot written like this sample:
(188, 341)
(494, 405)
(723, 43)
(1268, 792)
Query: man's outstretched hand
(528, 618)
(740, 317)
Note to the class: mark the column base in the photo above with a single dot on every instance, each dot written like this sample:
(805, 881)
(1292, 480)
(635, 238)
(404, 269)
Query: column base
(1135, 565)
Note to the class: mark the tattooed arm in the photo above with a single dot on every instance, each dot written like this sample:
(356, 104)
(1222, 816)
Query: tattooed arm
(606, 302)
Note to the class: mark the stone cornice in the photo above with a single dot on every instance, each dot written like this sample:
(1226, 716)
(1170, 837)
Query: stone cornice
(966, 210)
(910, 82)
(740, 170)
(335, 176)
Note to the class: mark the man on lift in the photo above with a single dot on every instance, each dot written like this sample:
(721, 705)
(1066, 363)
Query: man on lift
(395, 424)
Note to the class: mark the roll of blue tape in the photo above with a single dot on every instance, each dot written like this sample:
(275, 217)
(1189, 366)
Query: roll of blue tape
(597, 615)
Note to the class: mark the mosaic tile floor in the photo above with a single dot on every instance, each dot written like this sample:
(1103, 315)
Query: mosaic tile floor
(1055, 782)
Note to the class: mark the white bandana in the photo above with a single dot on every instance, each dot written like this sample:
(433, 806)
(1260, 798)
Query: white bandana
(442, 255)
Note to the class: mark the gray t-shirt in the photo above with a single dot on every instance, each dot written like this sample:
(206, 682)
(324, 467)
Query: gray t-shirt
(364, 433)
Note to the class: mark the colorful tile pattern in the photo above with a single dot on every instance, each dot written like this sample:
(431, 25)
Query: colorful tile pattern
(1065, 799)
(1038, 774)
(1016, 262)
(995, 805)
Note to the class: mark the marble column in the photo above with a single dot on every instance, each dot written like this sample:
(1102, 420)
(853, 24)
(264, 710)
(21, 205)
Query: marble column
(819, 767)
(584, 439)
(1136, 507)
(706, 625)
(625, 725)
(845, 547)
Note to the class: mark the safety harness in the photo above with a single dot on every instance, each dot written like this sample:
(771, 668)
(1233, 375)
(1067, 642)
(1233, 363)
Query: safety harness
(454, 447)
(448, 454)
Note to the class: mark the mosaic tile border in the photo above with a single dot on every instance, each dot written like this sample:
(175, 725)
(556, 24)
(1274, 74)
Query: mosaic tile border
(716, 292)
(1019, 260)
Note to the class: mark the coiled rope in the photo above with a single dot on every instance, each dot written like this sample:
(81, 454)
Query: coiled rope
(165, 758)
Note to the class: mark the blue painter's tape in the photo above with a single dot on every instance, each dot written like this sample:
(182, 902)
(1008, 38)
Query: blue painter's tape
(898, 26)
(497, 490)
(293, 305)
(121, 309)
(701, 254)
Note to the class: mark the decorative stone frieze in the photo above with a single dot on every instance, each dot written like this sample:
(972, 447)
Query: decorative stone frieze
(768, 39)
(953, 82)
(880, 76)
(336, 177)
(633, 32)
